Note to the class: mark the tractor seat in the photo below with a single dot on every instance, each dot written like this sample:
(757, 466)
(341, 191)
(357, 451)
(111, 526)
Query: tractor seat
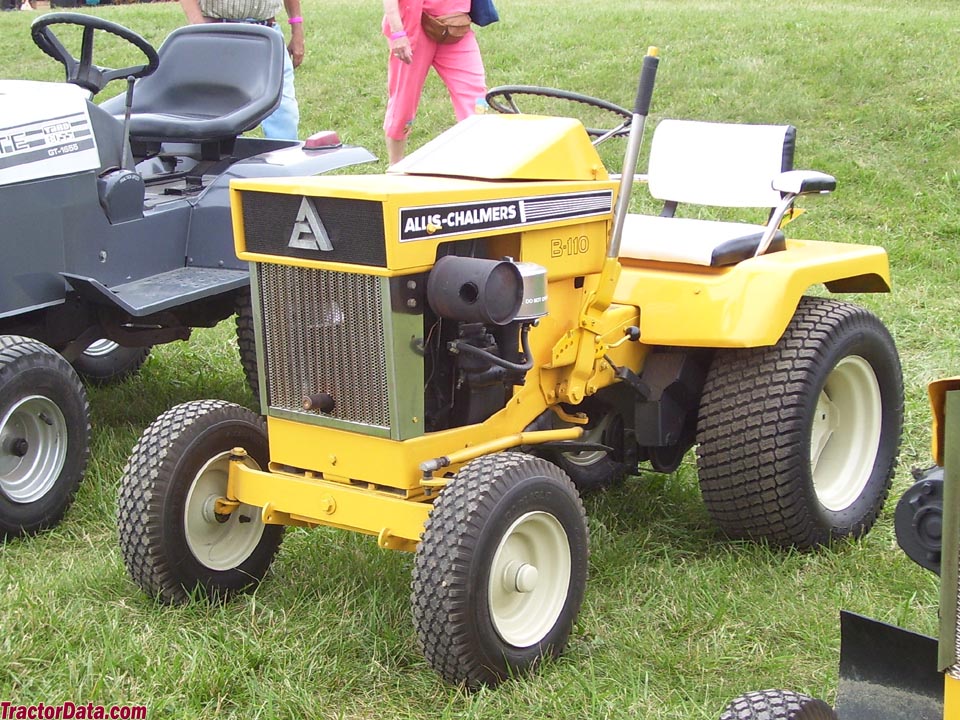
(720, 165)
(215, 81)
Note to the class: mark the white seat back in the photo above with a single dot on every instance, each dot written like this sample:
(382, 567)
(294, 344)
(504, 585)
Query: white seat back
(720, 164)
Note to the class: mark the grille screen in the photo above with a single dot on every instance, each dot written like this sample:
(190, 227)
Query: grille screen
(323, 332)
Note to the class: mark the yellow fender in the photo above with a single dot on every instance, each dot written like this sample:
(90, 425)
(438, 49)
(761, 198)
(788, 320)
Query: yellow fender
(743, 305)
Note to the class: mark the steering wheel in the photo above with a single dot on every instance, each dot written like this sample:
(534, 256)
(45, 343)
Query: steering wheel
(503, 100)
(83, 72)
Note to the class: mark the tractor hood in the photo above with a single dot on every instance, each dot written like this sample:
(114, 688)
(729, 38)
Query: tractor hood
(45, 131)
(509, 147)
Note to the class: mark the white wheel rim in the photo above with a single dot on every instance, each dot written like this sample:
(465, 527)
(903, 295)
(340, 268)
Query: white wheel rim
(219, 545)
(33, 448)
(100, 348)
(845, 435)
(529, 579)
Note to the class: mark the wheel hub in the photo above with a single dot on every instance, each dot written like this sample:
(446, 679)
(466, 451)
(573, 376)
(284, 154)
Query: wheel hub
(19, 447)
(219, 541)
(33, 448)
(520, 577)
(529, 579)
(845, 433)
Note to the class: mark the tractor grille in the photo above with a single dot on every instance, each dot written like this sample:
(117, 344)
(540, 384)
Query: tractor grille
(323, 332)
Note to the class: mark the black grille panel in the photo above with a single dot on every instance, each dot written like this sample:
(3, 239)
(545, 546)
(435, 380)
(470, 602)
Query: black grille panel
(323, 332)
(355, 227)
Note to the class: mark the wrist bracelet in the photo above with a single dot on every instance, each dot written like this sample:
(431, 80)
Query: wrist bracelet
(295, 20)
(398, 34)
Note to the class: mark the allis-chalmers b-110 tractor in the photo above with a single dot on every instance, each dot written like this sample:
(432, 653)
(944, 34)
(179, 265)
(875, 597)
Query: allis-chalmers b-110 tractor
(451, 351)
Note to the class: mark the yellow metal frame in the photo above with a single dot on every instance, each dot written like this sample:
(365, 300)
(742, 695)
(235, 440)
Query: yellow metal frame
(951, 698)
(937, 391)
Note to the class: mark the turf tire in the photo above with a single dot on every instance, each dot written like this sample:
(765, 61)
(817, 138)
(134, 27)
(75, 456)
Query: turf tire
(179, 452)
(503, 506)
(777, 705)
(757, 425)
(44, 436)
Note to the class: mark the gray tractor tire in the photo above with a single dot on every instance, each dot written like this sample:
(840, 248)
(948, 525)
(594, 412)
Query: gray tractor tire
(798, 441)
(44, 436)
(104, 362)
(246, 342)
(593, 470)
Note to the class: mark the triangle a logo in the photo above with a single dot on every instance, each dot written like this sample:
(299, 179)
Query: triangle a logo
(308, 230)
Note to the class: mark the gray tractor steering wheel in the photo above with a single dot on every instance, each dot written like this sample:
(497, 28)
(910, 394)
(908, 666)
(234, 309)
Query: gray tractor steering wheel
(82, 71)
(503, 99)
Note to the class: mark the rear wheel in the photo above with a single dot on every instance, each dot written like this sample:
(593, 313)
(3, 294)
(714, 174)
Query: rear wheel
(44, 436)
(173, 540)
(500, 573)
(246, 342)
(777, 705)
(104, 362)
(798, 442)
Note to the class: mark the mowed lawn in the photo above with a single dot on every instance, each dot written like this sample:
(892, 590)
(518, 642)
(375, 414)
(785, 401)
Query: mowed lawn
(677, 620)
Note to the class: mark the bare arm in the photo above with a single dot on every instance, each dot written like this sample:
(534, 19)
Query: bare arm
(399, 47)
(191, 8)
(296, 47)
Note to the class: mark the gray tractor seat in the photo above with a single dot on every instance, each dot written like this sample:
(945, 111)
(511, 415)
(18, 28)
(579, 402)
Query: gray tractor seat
(215, 81)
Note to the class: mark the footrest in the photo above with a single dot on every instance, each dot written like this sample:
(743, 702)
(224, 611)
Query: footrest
(153, 294)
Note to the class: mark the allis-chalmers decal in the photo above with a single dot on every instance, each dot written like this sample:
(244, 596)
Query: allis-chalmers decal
(421, 223)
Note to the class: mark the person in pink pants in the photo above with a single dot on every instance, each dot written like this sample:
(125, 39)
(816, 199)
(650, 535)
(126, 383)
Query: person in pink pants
(412, 54)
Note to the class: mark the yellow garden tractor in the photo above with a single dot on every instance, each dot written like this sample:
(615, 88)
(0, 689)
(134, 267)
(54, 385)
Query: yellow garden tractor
(451, 352)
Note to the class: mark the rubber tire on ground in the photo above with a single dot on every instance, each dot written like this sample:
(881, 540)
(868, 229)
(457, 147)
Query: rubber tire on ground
(757, 418)
(595, 470)
(102, 365)
(777, 705)
(33, 376)
(152, 514)
(456, 624)
(246, 342)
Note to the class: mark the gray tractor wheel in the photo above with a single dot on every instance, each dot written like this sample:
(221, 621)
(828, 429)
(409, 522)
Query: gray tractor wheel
(173, 542)
(44, 436)
(500, 572)
(246, 342)
(798, 441)
(777, 705)
(104, 362)
(592, 470)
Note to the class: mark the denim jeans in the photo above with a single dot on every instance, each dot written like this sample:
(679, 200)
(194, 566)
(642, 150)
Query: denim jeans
(284, 123)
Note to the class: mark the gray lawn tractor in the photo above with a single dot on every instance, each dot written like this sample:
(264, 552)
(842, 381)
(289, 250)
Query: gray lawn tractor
(116, 227)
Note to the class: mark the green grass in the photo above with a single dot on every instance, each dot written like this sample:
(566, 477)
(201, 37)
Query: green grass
(676, 620)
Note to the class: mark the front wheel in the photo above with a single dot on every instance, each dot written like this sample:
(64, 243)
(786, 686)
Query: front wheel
(44, 436)
(173, 540)
(798, 442)
(104, 362)
(501, 570)
(598, 469)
